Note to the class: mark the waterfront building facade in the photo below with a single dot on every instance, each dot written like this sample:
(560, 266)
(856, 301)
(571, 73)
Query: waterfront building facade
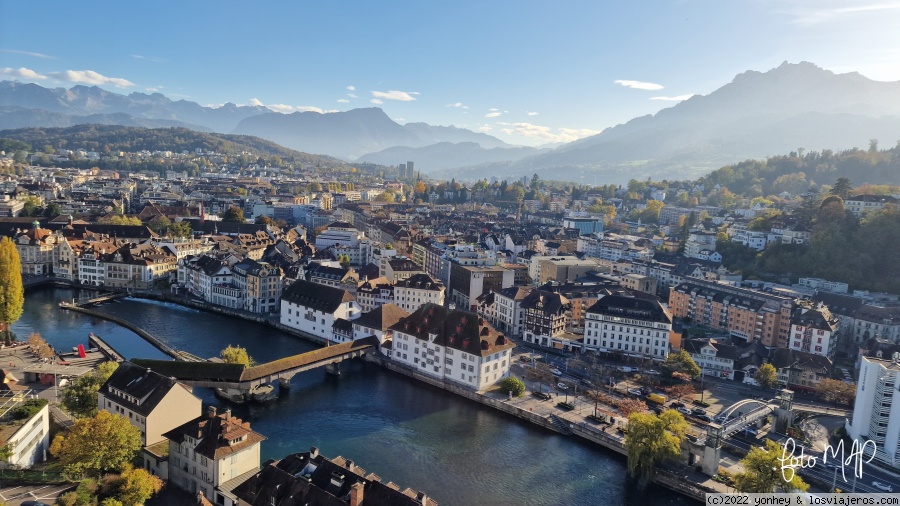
(313, 308)
(637, 326)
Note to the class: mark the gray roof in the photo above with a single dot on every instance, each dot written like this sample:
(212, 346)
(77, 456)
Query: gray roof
(315, 296)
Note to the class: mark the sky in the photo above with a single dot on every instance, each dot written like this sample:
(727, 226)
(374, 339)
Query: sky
(527, 72)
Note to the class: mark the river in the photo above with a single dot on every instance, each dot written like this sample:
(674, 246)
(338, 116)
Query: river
(418, 436)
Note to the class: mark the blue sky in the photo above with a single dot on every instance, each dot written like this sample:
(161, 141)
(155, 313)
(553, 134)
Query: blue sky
(528, 72)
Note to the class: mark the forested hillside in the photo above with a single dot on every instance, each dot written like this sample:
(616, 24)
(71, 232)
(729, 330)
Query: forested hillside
(111, 138)
(798, 171)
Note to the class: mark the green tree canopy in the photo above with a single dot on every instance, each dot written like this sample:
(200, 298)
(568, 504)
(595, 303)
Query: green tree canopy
(763, 474)
(766, 376)
(512, 384)
(80, 397)
(652, 439)
(12, 293)
(236, 355)
(680, 362)
(234, 214)
(134, 485)
(93, 446)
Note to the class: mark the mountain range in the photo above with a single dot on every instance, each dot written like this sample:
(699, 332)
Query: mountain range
(757, 114)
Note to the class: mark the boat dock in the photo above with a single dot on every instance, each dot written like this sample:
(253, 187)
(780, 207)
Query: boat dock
(106, 297)
(107, 350)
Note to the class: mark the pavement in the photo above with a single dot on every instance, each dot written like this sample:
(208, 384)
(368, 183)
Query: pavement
(16, 495)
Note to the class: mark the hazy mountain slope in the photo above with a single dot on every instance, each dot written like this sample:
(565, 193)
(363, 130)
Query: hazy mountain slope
(446, 155)
(18, 117)
(430, 134)
(343, 134)
(757, 114)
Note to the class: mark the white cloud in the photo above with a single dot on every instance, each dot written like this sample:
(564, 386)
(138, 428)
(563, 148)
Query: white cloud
(485, 128)
(90, 77)
(678, 98)
(376, 101)
(351, 95)
(493, 109)
(351, 88)
(154, 59)
(343, 101)
(287, 109)
(806, 15)
(458, 105)
(546, 134)
(403, 96)
(28, 53)
(153, 89)
(639, 85)
(400, 120)
(532, 113)
(493, 114)
(23, 73)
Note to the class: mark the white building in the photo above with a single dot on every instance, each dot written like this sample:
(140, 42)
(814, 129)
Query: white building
(313, 308)
(29, 439)
(875, 416)
(453, 345)
(714, 358)
(339, 233)
(634, 326)
(813, 330)
(411, 293)
(211, 450)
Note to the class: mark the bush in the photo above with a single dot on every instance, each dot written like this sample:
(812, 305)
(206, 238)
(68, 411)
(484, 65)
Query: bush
(701, 404)
(67, 499)
(512, 384)
(568, 406)
(28, 409)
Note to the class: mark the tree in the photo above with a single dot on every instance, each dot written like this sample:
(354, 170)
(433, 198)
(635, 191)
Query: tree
(234, 214)
(135, 485)
(766, 376)
(263, 220)
(39, 346)
(160, 225)
(101, 444)
(12, 293)
(837, 391)
(763, 472)
(420, 188)
(387, 197)
(513, 385)
(842, 188)
(236, 355)
(180, 229)
(652, 439)
(540, 373)
(80, 397)
(52, 210)
(628, 406)
(680, 391)
(680, 362)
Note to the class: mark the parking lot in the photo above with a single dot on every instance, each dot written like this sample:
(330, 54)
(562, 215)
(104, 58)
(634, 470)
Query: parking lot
(14, 496)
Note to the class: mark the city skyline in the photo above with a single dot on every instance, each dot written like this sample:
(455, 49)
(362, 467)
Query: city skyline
(528, 73)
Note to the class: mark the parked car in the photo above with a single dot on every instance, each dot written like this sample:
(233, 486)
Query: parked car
(750, 431)
(625, 368)
(684, 411)
(676, 405)
(556, 372)
(884, 487)
(698, 411)
(562, 386)
(705, 418)
(635, 391)
(652, 371)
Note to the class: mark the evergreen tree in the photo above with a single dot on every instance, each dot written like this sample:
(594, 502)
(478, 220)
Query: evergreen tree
(12, 293)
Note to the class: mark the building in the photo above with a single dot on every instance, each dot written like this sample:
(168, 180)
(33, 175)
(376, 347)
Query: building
(339, 234)
(452, 345)
(260, 284)
(468, 282)
(585, 226)
(374, 292)
(28, 437)
(310, 478)
(211, 450)
(637, 326)
(751, 315)
(637, 282)
(326, 275)
(419, 289)
(798, 370)
(875, 416)
(150, 401)
(508, 314)
(813, 330)
(715, 358)
(378, 322)
(398, 269)
(37, 249)
(313, 308)
(861, 204)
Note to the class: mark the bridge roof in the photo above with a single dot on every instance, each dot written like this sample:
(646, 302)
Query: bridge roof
(236, 373)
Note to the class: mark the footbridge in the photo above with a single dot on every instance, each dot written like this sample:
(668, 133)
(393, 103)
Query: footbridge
(237, 376)
(90, 301)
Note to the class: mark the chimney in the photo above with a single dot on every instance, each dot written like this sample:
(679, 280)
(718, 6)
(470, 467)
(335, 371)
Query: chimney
(313, 452)
(211, 411)
(356, 494)
(227, 414)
